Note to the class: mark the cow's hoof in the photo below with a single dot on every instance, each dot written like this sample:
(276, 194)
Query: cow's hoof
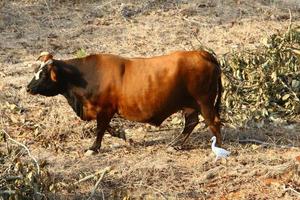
(90, 152)
(131, 142)
(177, 145)
(122, 135)
(178, 148)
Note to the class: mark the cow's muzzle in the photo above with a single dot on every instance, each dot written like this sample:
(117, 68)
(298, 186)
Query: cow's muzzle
(30, 90)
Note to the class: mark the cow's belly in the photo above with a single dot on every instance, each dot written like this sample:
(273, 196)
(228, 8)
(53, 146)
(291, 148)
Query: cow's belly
(154, 110)
(144, 116)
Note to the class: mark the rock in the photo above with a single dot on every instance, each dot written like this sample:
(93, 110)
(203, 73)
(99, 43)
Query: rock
(212, 173)
(128, 131)
(295, 84)
(254, 146)
(176, 120)
(171, 149)
(115, 146)
(290, 126)
(89, 153)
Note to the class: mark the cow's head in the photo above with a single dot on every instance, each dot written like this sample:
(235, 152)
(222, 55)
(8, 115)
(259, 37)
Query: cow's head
(45, 80)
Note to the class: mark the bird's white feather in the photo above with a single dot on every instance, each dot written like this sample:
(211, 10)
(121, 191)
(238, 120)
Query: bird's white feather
(219, 152)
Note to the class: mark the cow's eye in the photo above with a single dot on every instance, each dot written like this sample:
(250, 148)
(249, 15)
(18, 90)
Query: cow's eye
(43, 74)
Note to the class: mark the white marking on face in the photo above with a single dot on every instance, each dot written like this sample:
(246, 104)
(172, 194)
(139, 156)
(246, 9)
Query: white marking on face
(43, 64)
(37, 74)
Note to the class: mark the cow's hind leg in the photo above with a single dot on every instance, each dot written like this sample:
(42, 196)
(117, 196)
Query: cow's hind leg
(116, 132)
(191, 120)
(211, 118)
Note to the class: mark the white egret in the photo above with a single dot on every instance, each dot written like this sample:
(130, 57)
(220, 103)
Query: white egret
(220, 153)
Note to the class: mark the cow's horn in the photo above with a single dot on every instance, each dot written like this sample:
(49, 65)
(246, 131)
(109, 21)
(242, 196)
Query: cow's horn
(44, 53)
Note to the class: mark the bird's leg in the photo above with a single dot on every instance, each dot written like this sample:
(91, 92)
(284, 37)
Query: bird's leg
(217, 157)
(226, 161)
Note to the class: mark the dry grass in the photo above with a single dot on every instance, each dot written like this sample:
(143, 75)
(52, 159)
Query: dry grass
(146, 169)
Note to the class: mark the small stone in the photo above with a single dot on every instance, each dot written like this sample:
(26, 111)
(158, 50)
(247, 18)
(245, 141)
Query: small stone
(140, 130)
(115, 146)
(171, 149)
(128, 131)
(290, 127)
(254, 146)
(295, 84)
(176, 120)
(89, 153)
(212, 173)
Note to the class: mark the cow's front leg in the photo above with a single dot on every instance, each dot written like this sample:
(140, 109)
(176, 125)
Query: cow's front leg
(103, 120)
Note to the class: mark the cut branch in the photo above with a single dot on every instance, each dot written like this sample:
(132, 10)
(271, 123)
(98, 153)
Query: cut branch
(91, 176)
(22, 145)
(291, 189)
(287, 87)
(98, 182)
(9, 192)
(254, 141)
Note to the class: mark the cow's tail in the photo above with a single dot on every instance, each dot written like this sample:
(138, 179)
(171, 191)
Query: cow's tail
(211, 56)
(219, 96)
(219, 87)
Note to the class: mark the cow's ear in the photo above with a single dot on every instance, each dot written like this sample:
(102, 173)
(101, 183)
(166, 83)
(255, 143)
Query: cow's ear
(53, 73)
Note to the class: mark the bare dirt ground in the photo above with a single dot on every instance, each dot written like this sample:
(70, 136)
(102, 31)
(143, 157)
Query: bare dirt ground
(147, 168)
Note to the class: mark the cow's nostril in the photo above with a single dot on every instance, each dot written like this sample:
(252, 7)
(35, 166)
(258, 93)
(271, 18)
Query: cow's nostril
(28, 89)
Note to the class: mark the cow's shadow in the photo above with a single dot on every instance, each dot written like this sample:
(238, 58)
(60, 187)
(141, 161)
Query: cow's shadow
(161, 139)
(271, 136)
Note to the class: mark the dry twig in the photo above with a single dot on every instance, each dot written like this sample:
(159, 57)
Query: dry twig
(153, 188)
(291, 189)
(9, 192)
(92, 175)
(290, 21)
(98, 182)
(295, 95)
(254, 141)
(22, 145)
(279, 170)
(176, 139)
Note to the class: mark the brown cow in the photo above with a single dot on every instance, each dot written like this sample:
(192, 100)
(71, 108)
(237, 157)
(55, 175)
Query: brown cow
(139, 89)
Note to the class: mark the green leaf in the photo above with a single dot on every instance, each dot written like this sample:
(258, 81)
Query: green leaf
(81, 53)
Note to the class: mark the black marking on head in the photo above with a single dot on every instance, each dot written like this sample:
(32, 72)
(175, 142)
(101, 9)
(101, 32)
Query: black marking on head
(70, 77)
(66, 76)
(69, 74)
(41, 83)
